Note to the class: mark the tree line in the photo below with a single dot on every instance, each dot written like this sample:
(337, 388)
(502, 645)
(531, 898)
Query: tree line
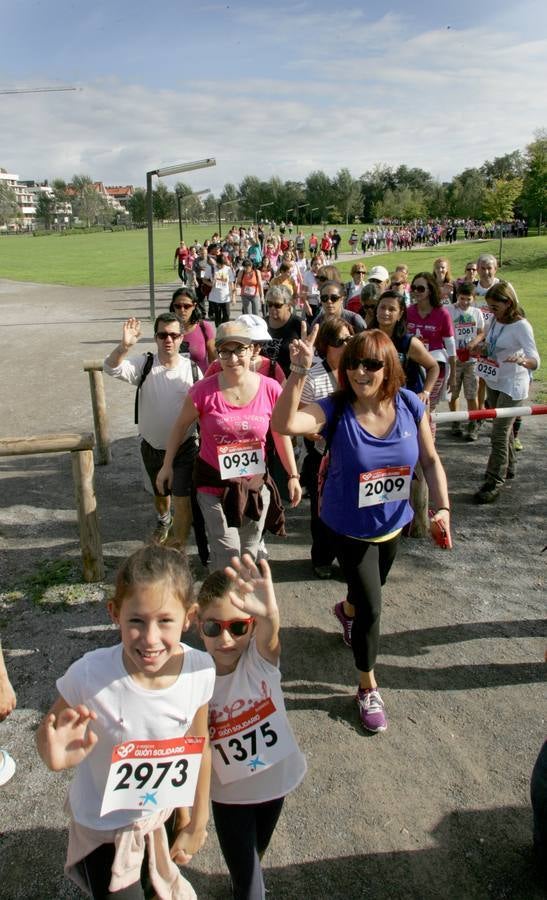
(513, 185)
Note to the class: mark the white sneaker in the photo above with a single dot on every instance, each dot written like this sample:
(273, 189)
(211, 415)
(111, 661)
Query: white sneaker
(7, 767)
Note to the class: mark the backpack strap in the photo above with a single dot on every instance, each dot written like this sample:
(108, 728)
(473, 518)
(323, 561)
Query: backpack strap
(144, 375)
(195, 371)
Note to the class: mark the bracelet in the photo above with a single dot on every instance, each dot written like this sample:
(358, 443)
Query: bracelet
(293, 476)
(445, 508)
(299, 370)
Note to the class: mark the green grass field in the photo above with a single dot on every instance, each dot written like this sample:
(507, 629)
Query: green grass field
(120, 259)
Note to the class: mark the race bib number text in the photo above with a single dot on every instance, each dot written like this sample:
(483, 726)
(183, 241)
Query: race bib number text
(250, 743)
(384, 485)
(241, 458)
(153, 775)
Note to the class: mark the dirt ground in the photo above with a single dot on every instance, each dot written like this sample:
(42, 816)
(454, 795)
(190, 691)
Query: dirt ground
(438, 806)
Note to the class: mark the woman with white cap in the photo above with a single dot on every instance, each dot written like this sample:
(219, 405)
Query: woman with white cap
(261, 364)
(236, 494)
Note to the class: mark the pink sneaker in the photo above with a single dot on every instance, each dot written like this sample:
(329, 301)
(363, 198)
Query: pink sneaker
(371, 710)
(345, 621)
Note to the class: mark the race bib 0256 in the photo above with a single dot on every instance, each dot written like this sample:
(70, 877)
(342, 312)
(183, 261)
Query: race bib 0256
(153, 775)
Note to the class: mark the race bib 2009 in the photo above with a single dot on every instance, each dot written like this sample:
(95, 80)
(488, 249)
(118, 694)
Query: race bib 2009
(384, 485)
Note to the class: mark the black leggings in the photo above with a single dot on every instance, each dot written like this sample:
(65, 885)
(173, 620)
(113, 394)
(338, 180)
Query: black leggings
(96, 870)
(221, 313)
(366, 567)
(244, 832)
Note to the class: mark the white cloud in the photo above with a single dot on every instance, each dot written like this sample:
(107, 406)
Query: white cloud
(348, 93)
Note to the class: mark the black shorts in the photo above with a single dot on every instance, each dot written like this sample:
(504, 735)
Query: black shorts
(183, 466)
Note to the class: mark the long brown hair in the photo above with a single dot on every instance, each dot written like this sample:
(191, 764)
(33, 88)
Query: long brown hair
(504, 293)
(372, 344)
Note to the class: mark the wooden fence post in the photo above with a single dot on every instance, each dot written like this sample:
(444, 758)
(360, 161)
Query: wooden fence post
(98, 404)
(86, 502)
(419, 500)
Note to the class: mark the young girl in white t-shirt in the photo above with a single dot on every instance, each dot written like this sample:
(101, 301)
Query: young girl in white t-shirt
(256, 760)
(133, 719)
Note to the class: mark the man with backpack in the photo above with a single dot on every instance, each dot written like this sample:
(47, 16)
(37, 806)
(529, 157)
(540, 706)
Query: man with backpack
(162, 379)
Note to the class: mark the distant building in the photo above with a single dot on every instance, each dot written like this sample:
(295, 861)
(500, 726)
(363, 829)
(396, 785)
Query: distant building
(121, 193)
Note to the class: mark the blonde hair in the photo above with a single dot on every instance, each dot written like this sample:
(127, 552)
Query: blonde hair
(153, 564)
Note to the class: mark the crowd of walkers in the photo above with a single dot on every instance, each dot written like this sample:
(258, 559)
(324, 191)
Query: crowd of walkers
(319, 387)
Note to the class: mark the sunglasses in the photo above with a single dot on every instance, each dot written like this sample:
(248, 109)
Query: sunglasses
(276, 305)
(332, 297)
(183, 305)
(396, 283)
(418, 288)
(236, 627)
(360, 272)
(339, 342)
(371, 365)
(163, 335)
(227, 354)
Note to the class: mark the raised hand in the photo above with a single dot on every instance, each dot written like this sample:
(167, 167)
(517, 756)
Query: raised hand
(253, 591)
(131, 332)
(301, 349)
(68, 738)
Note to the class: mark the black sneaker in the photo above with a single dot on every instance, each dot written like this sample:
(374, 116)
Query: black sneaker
(488, 493)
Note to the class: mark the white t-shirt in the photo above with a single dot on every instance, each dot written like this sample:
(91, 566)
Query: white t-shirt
(222, 279)
(467, 323)
(310, 282)
(161, 396)
(254, 684)
(503, 341)
(127, 711)
(319, 384)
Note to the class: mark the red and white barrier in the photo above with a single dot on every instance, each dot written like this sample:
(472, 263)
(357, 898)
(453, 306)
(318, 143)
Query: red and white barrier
(479, 414)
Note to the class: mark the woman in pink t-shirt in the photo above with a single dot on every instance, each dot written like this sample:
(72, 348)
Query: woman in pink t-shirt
(198, 334)
(234, 488)
(429, 321)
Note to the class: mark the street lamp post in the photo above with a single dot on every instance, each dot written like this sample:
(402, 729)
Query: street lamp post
(181, 197)
(220, 205)
(261, 207)
(312, 210)
(292, 209)
(161, 173)
(298, 208)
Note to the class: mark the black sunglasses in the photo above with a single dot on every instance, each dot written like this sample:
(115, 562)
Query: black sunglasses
(326, 297)
(339, 342)
(371, 365)
(163, 335)
(418, 289)
(236, 627)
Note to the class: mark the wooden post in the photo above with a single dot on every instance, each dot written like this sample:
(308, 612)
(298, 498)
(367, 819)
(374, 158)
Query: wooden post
(419, 500)
(98, 404)
(86, 502)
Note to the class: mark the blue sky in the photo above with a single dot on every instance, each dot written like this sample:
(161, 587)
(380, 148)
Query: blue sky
(279, 90)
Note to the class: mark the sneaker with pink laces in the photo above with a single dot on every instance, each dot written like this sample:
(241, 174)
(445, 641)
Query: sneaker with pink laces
(371, 710)
(345, 621)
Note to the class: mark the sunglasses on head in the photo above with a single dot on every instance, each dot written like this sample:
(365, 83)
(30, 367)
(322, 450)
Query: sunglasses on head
(326, 297)
(339, 342)
(183, 305)
(371, 365)
(163, 335)
(236, 627)
(418, 288)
